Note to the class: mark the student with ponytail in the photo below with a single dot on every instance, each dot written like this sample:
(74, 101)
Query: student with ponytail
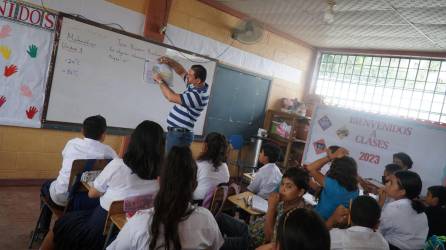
(211, 164)
(173, 223)
(403, 221)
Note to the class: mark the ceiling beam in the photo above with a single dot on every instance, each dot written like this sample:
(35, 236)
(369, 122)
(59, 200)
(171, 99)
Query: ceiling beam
(157, 14)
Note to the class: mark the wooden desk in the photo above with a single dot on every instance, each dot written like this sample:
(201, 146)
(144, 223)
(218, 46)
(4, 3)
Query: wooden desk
(119, 220)
(239, 201)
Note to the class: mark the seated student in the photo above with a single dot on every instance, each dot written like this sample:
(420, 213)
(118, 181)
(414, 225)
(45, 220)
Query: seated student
(403, 160)
(389, 170)
(340, 184)
(365, 213)
(403, 222)
(133, 175)
(90, 147)
(294, 184)
(237, 236)
(211, 167)
(436, 210)
(173, 218)
(301, 229)
(269, 175)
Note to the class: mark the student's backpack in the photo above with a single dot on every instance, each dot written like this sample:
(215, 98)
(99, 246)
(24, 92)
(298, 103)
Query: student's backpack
(435, 243)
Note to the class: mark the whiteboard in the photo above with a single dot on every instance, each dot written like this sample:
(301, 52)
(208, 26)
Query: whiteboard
(99, 70)
(372, 140)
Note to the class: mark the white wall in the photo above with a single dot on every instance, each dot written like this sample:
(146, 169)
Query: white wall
(98, 10)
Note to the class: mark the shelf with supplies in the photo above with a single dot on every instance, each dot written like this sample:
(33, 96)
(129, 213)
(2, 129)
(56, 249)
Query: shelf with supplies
(289, 131)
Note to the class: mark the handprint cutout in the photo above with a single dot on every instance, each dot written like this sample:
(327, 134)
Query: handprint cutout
(5, 31)
(32, 51)
(5, 52)
(31, 112)
(10, 70)
(2, 100)
(25, 91)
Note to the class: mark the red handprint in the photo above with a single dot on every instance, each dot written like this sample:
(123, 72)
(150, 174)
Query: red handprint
(31, 112)
(2, 100)
(10, 70)
(4, 31)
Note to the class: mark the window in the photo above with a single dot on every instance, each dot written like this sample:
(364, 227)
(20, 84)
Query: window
(407, 87)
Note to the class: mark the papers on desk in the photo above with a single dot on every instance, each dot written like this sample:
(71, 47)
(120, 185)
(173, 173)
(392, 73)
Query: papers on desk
(259, 204)
(90, 176)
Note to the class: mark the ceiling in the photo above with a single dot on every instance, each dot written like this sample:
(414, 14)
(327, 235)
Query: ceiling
(405, 25)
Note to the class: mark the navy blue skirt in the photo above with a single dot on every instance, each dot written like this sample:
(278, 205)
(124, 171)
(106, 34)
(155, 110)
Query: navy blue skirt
(81, 229)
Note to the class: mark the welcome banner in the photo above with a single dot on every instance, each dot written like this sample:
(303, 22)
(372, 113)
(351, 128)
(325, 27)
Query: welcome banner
(372, 140)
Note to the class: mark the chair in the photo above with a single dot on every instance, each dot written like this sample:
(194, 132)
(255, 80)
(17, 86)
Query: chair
(129, 205)
(78, 167)
(236, 141)
(117, 207)
(218, 199)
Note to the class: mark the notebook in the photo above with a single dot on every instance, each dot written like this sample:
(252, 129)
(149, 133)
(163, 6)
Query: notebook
(259, 204)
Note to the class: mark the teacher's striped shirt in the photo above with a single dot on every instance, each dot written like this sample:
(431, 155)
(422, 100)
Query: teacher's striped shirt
(193, 102)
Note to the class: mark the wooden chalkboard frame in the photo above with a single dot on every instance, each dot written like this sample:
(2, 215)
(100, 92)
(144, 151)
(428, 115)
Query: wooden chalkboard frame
(76, 126)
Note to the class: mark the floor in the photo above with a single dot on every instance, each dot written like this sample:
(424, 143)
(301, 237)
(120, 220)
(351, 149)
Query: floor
(19, 210)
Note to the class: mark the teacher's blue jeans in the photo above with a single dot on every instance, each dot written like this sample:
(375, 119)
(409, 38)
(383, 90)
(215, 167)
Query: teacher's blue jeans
(177, 138)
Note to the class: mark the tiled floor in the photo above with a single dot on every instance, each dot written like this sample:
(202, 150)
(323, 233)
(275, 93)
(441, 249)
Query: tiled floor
(19, 210)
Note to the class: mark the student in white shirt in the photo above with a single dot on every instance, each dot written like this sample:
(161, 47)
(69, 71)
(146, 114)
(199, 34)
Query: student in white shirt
(403, 223)
(365, 213)
(269, 176)
(133, 175)
(212, 169)
(173, 218)
(90, 147)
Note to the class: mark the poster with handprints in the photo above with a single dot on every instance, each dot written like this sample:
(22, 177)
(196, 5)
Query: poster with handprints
(25, 53)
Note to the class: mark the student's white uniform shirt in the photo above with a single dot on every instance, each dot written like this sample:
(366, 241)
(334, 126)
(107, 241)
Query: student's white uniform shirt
(357, 237)
(208, 178)
(266, 180)
(402, 226)
(76, 149)
(117, 182)
(198, 231)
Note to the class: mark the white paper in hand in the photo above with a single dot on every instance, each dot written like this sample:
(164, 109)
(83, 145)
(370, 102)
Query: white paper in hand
(259, 204)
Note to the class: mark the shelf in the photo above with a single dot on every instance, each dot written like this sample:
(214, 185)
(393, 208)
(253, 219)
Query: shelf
(295, 125)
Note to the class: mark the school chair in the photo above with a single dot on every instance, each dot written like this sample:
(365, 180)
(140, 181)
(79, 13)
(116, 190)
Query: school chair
(124, 145)
(216, 198)
(236, 142)
(74, 187)
(119, 210)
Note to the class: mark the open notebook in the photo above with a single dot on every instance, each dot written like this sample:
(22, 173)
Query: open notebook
(259, 204)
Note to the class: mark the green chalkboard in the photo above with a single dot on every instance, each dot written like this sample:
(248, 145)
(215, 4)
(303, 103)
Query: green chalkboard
(237, 103)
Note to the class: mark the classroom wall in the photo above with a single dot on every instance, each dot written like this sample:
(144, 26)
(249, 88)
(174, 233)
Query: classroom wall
(36, 153)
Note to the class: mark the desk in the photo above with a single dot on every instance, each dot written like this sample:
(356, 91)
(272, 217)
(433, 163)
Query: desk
(239, 201)
(119, 220)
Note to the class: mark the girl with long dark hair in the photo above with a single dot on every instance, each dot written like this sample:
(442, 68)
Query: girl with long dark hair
(211, 165)
(173, 223)
(340, 184)
(403, 222)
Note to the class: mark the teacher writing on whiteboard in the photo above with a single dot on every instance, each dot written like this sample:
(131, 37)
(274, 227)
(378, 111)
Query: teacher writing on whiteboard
(188, 105)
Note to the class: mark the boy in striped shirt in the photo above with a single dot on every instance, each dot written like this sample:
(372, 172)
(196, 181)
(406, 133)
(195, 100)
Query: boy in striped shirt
(188, 105)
